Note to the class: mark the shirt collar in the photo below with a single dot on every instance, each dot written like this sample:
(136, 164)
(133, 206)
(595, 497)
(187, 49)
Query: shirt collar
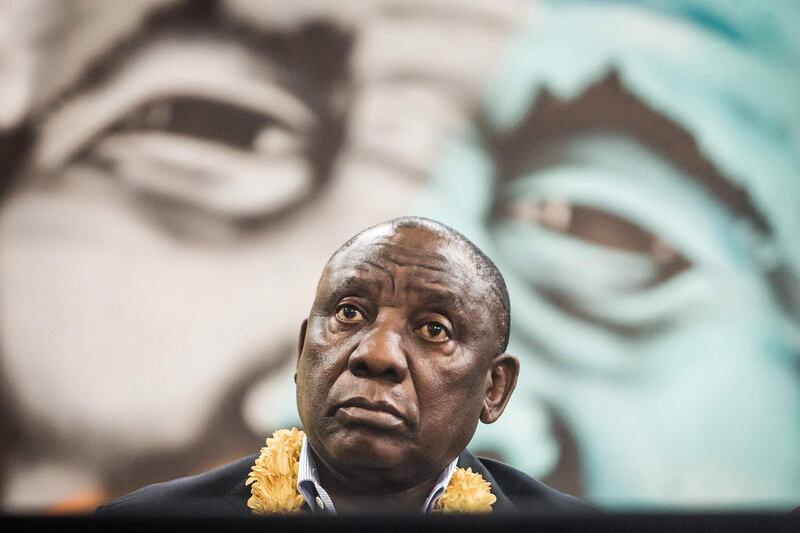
(319, 501)
(308, 484)
(441, 485)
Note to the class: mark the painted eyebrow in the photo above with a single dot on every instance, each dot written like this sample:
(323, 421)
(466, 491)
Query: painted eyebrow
(173, 21)
(674, 142)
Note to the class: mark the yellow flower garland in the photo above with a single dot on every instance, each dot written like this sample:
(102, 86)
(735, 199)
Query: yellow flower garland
(273, 481)
(467, 492)
(273, 477)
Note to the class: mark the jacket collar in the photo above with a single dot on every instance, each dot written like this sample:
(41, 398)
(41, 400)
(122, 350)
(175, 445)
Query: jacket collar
(236, 498)
(503, 503)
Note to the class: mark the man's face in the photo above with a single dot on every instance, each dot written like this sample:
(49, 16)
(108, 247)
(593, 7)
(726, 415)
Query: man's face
(394, 366)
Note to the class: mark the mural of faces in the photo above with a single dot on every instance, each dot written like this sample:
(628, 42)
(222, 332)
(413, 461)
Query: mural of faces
(179, 172)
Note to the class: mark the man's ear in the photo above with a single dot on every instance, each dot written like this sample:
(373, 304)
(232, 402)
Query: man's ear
(300, 341)
(500, 383)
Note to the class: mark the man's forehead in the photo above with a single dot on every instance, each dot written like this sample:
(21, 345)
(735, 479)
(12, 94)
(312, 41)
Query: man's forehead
(418, 261)
(414, 247)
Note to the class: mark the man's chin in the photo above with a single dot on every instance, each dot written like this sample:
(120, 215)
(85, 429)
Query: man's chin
(367, 447)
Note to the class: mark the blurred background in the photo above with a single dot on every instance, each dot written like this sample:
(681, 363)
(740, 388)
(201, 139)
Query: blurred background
(176, 173)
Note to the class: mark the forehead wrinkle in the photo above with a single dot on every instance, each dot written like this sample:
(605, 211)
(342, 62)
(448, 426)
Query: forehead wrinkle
(399, 285)
(411, 263)
(429, 295)
(368, 266)
(389, 276)
(402, 254)
(347, 283)
(361, 273)
(449, 276)
(379, 257)
(365, 264)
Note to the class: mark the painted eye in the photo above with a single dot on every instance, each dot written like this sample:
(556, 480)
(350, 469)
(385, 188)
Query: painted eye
(434, 331)
(602, 228)
(349, 313)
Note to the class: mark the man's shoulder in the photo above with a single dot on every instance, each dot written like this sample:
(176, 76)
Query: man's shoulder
(516, 491)
(217, 492)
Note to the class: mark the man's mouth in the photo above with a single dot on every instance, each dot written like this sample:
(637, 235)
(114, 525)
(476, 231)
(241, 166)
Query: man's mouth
(380, 415)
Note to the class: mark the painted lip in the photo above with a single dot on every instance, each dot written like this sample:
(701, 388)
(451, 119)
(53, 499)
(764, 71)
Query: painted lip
(359, 410)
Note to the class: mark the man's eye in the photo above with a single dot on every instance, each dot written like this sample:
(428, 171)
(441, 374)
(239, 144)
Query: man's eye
(349, 313)
(434, 331)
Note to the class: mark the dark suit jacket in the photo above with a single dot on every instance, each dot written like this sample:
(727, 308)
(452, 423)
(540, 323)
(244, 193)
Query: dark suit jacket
(222, 492)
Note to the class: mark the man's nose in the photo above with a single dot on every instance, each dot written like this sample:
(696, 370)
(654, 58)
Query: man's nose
(380, 353)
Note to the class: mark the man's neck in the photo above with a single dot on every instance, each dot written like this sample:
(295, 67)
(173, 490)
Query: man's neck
(371, 491)
(353, 496)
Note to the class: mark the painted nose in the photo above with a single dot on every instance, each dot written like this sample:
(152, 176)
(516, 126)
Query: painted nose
(380, 354)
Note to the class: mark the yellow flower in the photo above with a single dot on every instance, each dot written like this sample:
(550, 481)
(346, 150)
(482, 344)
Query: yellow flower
(273, 477)
(467, 492)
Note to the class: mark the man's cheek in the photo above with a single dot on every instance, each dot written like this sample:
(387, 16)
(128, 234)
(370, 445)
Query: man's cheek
(455, 374)
(442, 395)
(321, 369)
(465, 395)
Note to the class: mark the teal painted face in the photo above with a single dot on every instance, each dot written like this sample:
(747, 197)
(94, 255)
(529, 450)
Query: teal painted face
(646, 225)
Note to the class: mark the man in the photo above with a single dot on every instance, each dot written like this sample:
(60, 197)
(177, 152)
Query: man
(401, 355)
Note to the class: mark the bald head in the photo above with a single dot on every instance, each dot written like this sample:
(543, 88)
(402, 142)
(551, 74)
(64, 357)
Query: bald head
(485, 273)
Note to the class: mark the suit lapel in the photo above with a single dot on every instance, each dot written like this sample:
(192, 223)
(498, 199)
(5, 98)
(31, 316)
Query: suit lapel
(503, 503)
(236, 498)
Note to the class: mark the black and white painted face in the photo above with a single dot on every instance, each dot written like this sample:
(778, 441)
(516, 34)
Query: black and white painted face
(160, 247)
